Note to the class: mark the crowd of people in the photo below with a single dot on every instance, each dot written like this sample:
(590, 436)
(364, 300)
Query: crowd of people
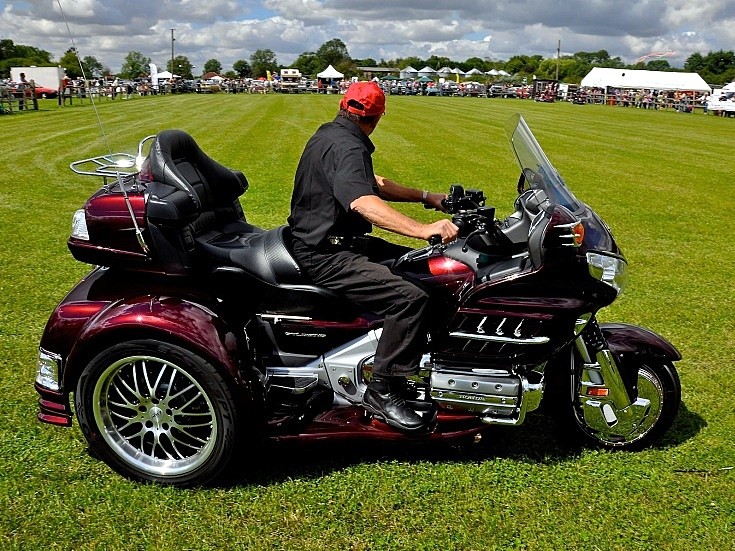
(25, 95)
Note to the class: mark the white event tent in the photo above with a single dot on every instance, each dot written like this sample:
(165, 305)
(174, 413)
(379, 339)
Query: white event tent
(330, 73)
(602, 77)
(409, 72)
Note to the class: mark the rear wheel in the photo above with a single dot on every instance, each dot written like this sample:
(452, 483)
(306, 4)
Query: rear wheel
(157, 412)
(657, 382)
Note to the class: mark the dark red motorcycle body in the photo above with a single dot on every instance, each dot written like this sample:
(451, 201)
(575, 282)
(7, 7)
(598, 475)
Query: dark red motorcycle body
(185, 284)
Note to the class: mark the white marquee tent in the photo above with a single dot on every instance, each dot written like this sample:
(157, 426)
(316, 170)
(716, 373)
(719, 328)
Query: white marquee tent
(165, 75)
(409, 72)
(601, 77)
(330, 73)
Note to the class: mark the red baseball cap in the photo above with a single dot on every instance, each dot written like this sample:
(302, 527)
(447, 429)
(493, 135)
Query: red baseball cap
(364, 98)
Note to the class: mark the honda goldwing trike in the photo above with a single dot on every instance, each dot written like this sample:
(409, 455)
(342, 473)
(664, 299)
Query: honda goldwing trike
(197, 335)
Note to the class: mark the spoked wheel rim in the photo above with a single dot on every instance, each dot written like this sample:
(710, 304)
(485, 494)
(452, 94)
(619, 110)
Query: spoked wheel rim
(154, 415)
(643, 421)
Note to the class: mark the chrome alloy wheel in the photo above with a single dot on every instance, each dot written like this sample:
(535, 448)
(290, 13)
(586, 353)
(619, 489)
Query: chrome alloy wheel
(154, 415)
(642, 418)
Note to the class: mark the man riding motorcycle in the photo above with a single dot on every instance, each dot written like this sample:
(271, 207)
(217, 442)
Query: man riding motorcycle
(336, 199)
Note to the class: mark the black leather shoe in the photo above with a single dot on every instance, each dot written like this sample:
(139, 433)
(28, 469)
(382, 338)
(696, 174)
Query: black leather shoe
(384, 399)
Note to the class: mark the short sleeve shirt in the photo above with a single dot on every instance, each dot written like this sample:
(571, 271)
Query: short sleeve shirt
(336, 168)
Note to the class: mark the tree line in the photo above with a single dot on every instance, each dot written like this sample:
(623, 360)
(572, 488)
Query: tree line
(716, 68)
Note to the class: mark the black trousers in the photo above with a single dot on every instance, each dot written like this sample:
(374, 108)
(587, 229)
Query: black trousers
(365, 279)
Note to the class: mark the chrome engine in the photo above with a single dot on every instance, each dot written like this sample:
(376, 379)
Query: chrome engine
(496, 396)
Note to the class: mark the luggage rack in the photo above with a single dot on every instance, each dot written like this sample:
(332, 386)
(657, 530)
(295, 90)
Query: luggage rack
(120, 166)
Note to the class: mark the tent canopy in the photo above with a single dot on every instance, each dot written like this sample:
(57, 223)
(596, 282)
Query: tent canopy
(601, 77)
(165, 75)
(330, 72)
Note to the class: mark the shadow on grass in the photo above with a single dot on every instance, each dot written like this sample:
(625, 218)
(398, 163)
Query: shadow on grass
(536, 441)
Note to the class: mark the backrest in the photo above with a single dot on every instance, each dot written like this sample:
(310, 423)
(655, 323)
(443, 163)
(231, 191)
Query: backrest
(176, 160)
(190, 195)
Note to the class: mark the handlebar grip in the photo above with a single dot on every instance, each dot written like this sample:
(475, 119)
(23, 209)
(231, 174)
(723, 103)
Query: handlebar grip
(444, 205)
(435, 240)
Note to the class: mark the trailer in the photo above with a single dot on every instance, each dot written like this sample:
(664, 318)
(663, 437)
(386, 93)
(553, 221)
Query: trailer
(290, 80)
(48, 77)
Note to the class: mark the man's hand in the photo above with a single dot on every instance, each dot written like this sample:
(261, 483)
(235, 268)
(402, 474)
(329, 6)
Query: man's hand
(376, 211)
(434, 201)
(443, 228)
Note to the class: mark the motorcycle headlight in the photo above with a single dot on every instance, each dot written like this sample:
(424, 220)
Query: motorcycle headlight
(608, 269)
(79, 226)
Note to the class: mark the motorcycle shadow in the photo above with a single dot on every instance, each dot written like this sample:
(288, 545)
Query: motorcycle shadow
(538, 440)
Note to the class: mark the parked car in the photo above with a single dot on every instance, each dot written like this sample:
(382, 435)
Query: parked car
(45, 92)
(500, 91)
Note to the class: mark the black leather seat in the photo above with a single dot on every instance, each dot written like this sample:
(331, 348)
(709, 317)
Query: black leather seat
(195, 216)
(193, 206)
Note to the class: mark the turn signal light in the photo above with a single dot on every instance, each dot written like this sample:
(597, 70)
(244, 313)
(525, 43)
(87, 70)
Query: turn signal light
(578, 234)
(598, 391)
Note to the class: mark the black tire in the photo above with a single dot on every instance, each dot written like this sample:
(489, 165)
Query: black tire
(156, 412)
(656, 380)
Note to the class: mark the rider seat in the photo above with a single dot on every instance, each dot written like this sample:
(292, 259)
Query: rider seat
(195, 218)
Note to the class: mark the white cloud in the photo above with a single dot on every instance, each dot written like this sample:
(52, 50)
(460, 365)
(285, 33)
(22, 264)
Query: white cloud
(228, 30)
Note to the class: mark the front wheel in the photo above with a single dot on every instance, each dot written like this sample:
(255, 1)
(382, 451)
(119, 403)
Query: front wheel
(157, 412)
(657, 383)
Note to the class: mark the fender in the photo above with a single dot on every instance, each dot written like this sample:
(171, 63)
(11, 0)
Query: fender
(626, 338)
(184, 322)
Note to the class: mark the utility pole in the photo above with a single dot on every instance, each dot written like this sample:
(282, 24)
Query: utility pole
(172, 50)
(558, 53)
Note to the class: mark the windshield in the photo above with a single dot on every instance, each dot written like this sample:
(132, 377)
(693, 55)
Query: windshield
(537, 171)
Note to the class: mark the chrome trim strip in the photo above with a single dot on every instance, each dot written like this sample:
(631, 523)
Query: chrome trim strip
(495, 338)
(276, 318)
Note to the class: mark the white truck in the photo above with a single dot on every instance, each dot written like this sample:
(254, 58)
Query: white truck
(723, 100)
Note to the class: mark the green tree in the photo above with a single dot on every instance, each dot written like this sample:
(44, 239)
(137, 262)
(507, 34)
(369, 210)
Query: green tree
(263, 61)
(474, 63)
(523, 64)
(92, 67)
(333, 52)
(415, 62)
(308, 64)
(658, 65)
(181, 66)
(438, 62)
(212, 66)
(694, 63)
(135, 65)
(18, 55)
(242, 68)
(70, 63)
(367, 62)
(719, 62)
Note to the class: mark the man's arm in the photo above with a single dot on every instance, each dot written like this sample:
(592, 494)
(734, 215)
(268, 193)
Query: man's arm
(379, 213)
(393, 191)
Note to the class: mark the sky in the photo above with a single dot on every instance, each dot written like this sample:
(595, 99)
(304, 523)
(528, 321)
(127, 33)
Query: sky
(229, 30)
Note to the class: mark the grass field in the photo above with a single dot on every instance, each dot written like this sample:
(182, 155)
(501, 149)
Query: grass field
(663, 181)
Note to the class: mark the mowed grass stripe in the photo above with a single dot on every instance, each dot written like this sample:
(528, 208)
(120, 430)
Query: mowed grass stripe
(661, 180)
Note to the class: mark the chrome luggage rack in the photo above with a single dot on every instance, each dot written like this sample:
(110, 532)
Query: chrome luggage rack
(120, 166)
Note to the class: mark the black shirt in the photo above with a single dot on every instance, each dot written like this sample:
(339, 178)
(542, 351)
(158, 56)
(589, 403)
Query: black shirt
(336, 168)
